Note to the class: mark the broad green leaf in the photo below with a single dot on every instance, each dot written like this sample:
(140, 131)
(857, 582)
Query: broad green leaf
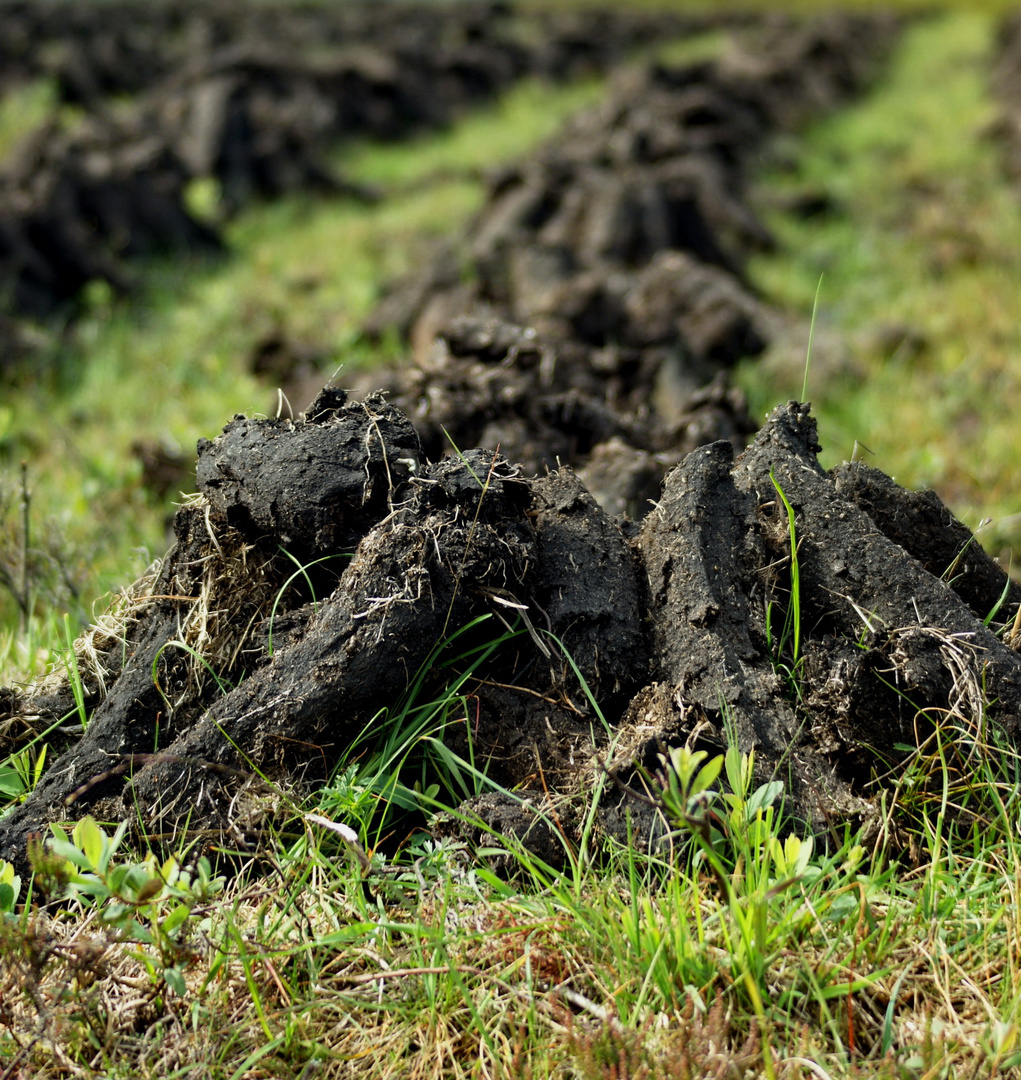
(118, 913)
(175, 980)
(759, 830)
(685, 762)
(11, 784)
(803, 853)
(853, 860)
(764, 796)
(791, 858)
(736, 762)
(40, 764)
(92, 841)
(140, 934)
(176, 917)
(116, 879)
(404, 797)
(708, 775)
(66, 850)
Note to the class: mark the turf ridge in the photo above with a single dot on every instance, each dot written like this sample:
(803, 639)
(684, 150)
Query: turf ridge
(896, 962)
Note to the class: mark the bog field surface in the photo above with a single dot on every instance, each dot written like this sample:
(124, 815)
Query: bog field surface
(509, 528)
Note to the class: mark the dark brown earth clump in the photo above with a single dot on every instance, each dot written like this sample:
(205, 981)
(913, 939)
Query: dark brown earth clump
(625, 641)
(555, 509)
(252, 97)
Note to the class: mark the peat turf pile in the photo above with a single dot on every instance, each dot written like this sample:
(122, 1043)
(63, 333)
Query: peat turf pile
(649, 186)
(94, 51)
(251, 96)
(619, 246)
(97, 50)
(488, 382)
(75, 205)
(259, 113)
(666, 624)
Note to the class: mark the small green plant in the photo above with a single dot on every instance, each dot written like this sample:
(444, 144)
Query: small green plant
(149, 903)
(10, 889)
(762, 879)
(788, 665)
(1000, 601)
(20, 773)
(731, 829)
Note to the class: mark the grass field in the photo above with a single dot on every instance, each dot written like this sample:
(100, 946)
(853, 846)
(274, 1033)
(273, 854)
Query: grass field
(756, 954)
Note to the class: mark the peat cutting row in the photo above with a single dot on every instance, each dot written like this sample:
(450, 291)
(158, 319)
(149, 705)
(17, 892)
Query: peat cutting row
(665, 627)
(98, 50)
(666, 623)
(591, 312)
(253, 97)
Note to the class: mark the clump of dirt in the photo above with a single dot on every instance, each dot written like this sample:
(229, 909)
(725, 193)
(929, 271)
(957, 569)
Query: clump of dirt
(74, 205)
(605, 299)
(249, 96)
(616, 419)
(630, 639)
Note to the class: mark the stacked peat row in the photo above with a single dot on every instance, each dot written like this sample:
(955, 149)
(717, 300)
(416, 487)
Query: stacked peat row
(620, 246)
(96, 50)
(117, 48)
(668, 629)
(257, 115)
(75, 205)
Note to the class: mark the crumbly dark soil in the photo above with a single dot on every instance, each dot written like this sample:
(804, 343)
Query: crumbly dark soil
(630, 640)
(564, 465)
(251, 96)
